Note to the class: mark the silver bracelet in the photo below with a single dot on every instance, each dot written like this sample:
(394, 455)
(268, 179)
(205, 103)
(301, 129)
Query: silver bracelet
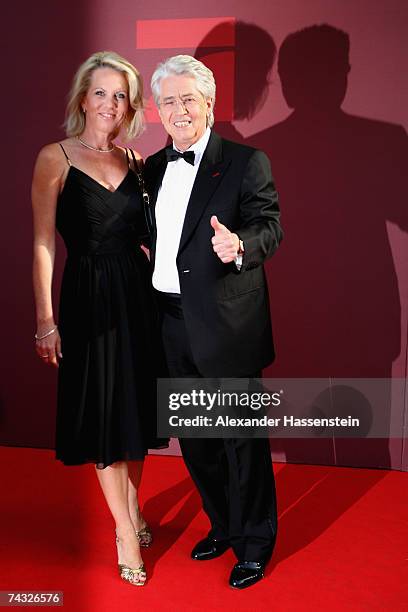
(47, 334)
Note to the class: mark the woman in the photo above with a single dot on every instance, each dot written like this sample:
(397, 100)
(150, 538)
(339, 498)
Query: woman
(90, 190)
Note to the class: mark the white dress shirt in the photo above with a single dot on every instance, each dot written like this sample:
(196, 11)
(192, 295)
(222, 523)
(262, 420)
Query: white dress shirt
(171, 207)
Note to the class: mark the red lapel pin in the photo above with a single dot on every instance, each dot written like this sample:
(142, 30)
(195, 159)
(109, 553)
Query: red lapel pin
(216, 174)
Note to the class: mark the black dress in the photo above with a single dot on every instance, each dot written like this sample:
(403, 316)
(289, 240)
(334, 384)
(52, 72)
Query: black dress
(107, 321)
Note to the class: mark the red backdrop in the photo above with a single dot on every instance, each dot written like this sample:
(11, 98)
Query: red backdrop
(336, 140)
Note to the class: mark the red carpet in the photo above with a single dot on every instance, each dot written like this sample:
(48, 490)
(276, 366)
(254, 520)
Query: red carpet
(342, 542)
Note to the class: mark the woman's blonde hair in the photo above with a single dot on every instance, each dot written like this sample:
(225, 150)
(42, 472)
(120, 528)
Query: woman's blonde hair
(133, 123)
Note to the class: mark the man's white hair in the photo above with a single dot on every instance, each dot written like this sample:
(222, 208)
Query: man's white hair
(186, 65)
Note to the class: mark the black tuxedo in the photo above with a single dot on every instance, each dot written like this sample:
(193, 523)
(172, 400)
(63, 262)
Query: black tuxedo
(221, 327)
(226, 312)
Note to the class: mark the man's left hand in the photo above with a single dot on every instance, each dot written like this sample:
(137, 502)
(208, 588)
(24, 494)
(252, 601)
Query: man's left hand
(225, 243)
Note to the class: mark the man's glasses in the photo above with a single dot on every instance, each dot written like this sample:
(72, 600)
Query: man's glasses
(171, 104)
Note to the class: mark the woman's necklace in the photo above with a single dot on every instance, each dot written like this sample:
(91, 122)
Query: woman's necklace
(88, 146)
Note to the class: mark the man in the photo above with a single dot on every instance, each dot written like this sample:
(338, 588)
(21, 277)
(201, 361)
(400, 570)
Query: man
(215, 222)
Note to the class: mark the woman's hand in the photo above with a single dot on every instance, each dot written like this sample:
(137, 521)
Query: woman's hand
(49, 348)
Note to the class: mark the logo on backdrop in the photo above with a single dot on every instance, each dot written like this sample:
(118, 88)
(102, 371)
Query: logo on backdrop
(186, 36)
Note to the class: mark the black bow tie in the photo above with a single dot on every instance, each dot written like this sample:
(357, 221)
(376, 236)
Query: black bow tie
(173, 155)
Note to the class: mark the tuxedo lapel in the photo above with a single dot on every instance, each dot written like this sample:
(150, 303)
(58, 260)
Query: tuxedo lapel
(158, 172)
(210, 173)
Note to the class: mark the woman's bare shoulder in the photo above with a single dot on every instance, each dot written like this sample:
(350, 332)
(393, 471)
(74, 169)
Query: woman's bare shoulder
(137, 155)
(51, 160)
(130, 150)
(55, 152)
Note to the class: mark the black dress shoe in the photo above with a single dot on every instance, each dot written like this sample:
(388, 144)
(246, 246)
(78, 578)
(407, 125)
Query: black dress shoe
(246, 573)
(209, 549)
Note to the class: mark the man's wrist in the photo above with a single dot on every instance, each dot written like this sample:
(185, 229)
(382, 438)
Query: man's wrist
(238, 244)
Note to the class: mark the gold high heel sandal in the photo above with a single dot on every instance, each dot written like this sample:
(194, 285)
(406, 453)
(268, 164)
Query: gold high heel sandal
(145, 536)
(136, 576)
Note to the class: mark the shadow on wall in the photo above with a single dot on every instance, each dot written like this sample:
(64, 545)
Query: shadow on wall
(333, 284)
(244, 71)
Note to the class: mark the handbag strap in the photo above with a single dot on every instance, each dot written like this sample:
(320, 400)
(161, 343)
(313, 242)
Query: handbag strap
(145, 195)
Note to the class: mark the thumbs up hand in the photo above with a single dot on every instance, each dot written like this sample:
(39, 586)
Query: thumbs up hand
(225, 243)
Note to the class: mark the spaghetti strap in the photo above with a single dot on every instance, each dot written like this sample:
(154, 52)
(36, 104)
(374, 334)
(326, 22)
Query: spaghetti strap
(137, 167)
(127, 157)
(67, 158)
